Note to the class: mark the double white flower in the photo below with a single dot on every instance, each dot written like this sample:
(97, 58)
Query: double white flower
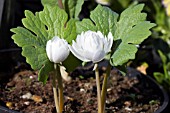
(57, 49)
(91, 46)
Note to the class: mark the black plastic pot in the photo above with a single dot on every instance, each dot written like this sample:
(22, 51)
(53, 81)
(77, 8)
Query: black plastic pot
(6, 110)
(11, 13)
(144, 80)
(147, 80)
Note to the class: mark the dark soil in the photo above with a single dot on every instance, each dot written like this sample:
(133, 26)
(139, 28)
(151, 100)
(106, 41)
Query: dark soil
(124, 95)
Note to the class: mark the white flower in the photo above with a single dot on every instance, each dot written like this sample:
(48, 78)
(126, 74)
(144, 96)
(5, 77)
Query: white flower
(103, 2)
(57, 49)
(91, 46)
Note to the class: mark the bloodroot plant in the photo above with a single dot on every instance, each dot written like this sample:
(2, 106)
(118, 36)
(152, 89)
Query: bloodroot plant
(44, 40)
(93, 46)
(48, 37)
(127, 30)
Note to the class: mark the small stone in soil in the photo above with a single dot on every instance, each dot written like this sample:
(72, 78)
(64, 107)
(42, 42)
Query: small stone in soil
(37, 98)
(27, 96)
(27, 103)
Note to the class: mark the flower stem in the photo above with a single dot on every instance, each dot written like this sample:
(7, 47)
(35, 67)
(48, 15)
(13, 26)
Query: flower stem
(54, 88)
(98, 88)
(60, 89)
(60, 4)
(104, 88)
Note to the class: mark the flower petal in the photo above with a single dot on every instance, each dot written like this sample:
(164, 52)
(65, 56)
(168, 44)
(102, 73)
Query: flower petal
(60, 56)
(109, 42)
(48, 50)
(98, 56)
(77, 53)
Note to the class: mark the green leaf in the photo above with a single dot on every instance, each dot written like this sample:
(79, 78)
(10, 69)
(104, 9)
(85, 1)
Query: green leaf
(135, 33)
(131, 30)
(35, 56)
(33, 23)
(54, 19)
(102, 19)
(73, 7)
(29, 38)
(85, 25)
(105, 19)
(159, 77)
(78, 8)
(32, 40)
(128, 19)
(57, 24)
(40, 28)
(123, 53)
(163, 57)
(71, 62)
(69, 32)
(44, 71)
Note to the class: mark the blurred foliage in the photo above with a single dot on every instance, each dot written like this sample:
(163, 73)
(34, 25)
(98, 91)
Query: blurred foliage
(156, 49)
(164, 77)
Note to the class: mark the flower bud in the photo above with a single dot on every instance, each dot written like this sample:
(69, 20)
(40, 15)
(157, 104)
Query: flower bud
(57, 49)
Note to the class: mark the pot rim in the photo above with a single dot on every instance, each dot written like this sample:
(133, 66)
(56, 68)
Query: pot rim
(165, 95)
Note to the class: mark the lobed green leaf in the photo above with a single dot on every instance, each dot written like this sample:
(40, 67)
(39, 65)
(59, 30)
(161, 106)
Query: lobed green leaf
(36, 26)
(54, 19)
(29, 38)
(40, 28)
(132, 29)
(105, 19)
(102, 19)
(129, 29)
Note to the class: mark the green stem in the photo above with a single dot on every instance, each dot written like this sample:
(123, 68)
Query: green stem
(60, 4)
(60, 89)
(98, 88)
(54, 88)
(104, 88)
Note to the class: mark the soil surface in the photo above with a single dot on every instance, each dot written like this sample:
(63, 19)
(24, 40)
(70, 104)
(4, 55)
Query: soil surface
(124, 95)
